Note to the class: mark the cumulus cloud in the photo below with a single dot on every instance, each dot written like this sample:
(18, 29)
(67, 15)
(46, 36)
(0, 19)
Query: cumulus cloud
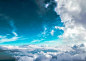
(72, 13)
(46, 53)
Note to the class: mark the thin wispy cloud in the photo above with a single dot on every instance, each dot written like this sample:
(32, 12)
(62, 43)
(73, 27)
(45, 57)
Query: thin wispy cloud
(4, 38)
(15, 33)
(12, 25)
(38, 40)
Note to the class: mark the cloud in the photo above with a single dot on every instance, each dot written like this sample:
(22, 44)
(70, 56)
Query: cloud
(15, 33)
(46, 53)
(45, 31)
(24, 58)
(50, 41)
(12, 25)
(72, 13)
(38, 40)
(46, 6)
(4, 38)
(57, 27)
(52, 32)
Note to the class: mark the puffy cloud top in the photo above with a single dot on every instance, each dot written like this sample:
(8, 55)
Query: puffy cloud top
(48, 53)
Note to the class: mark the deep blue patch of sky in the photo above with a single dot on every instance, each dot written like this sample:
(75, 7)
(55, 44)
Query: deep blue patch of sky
(29, 18)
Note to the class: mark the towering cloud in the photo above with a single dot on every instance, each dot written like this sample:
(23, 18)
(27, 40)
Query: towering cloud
(72, 13)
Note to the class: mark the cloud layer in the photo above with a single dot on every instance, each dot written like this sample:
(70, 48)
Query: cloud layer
(46, 52)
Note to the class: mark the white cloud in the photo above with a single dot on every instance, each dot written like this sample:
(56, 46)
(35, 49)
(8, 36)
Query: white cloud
(72, 13)
(50, 41)
(57, 27)
(15, 33)
(45, 31)
(25, 58)
(46, 5)
(38, 40)
(52, 32)
(9, 39)
(46, 53)
(35, 41)
(4, 38)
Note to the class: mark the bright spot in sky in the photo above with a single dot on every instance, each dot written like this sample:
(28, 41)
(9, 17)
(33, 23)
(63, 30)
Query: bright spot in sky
(56, 27)
(46, 5)
(15, 33)
(52, 32)
(14, 38)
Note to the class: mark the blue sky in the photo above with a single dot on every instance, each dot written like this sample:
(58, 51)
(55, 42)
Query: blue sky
(42, 22)
(43, 30)
(25, 22)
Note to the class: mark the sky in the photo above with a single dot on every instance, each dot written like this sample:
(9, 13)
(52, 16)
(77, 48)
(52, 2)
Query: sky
(43, 53)
(28, 22)
(50, 22)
